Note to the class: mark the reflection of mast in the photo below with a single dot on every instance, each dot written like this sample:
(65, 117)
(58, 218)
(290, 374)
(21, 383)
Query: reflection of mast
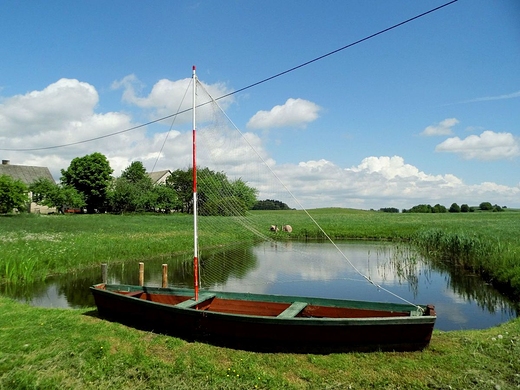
(195, 228)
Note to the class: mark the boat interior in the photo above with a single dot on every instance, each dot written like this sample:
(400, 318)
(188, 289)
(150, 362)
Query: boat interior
(297, 309)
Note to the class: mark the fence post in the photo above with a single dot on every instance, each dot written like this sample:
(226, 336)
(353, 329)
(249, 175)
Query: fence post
(104, 277)
(165, 275)
(141, 274)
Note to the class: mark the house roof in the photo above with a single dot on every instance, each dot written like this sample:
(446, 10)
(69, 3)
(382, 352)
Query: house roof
(26, 174)
(157, 176)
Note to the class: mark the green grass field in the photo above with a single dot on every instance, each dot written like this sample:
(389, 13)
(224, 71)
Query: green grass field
(73, 349)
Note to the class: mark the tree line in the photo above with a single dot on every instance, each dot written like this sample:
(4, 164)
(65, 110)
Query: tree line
(88, 184)
(438, 208)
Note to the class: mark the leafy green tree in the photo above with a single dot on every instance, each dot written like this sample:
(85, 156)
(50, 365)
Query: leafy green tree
(270, 204)
(182, 183)
(90, 175)
(497, 208)
(454, 208)
(135, 173)
(389, 210)
(242, 191)
(133, 191)
(421, 208)
(216, 195)
(438, 208)
(13, 195)
(165, 198)
(42, 190)
(464, 208)
(485, 206)
(48, 193)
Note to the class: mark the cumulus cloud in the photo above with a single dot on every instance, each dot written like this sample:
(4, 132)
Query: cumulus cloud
(486, 146)
(169, 97)
(384, 180)
(442, 128)
(65, 112)
(294, 113)
(63, 103)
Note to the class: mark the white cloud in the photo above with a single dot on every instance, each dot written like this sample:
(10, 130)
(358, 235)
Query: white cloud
(65, 112)
(443, 128)
(169, 97)
(486, 146)
(64, 103)
(294, 113)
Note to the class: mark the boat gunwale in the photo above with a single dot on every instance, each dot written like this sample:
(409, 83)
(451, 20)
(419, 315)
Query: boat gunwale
(331, 321)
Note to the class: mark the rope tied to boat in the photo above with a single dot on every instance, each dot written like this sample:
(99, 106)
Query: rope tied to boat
(273, 173)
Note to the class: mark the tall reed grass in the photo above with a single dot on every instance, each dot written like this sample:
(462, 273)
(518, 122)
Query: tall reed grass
(496, 261)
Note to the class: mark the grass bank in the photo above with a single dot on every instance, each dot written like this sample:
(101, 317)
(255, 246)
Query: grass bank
(72, 349)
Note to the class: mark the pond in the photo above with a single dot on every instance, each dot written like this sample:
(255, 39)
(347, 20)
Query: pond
(314, 269)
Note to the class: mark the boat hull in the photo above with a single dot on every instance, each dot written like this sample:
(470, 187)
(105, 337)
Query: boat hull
(266, 322)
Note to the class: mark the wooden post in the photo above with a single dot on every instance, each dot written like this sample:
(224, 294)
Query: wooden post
(165, 275)
(104, 277)
(141, 274)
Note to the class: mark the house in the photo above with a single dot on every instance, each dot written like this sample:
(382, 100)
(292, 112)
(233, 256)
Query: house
(159, 177)
(28, 175)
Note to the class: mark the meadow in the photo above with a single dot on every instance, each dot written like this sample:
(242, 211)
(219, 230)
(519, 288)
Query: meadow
(35, 247)
(73, 349)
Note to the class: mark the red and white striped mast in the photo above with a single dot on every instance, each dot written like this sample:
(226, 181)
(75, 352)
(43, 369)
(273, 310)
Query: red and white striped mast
(195, 226)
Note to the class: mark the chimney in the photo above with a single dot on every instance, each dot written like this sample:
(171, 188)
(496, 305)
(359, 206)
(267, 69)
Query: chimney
(5, 162)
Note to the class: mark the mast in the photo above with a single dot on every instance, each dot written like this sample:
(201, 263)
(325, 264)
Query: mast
(195, 226)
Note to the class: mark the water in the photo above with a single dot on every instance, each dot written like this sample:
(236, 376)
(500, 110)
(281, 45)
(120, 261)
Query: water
(462, 301)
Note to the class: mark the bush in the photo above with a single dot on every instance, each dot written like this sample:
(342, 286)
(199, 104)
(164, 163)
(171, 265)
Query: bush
(13, 195)
(454, 208)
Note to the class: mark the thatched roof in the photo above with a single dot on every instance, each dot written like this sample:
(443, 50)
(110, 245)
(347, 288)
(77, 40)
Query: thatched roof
(26, 174)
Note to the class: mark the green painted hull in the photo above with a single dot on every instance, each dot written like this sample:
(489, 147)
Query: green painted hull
(268, 322)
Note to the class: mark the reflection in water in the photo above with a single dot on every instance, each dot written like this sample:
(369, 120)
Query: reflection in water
(302, 269)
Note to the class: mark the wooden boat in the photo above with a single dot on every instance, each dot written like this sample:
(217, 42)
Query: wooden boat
(265, 322)
(268, 322)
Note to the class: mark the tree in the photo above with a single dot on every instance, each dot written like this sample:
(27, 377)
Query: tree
(48, 193)
(135, 173)
(242, 191)
(165, 198)
(89, 175)
(464, 208)
(13, 194)
(133, 191)
(270, 204)
(438, 208)
(421, 208)
(216, 195)
(389, 210)
(485, 206)
(454, 208)
(182, 183)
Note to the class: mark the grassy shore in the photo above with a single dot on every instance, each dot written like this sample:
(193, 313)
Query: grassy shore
(73, 349)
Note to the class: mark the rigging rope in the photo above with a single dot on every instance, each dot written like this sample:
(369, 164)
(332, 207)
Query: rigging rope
(243, 88)
(235, 207)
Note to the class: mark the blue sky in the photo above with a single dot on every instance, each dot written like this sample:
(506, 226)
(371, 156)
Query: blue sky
(428, 112)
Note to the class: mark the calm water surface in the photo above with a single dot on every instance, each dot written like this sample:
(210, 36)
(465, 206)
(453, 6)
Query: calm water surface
(462, 301)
